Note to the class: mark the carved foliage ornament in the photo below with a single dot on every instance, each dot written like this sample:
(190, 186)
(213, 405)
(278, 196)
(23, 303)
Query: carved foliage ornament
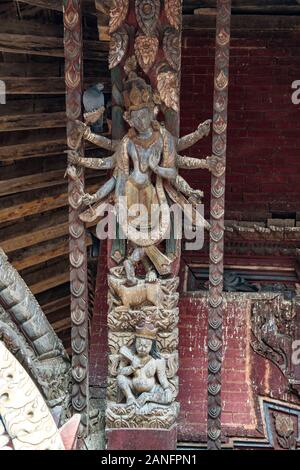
(284, 426)
(173, 12)
(146, 51)
(168, 88)
(171, 46)
(118, 47)
(118, 14)
(147, 14)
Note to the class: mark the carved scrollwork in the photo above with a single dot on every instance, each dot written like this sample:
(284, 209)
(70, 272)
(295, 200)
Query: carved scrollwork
(172, 49)
(118, 47)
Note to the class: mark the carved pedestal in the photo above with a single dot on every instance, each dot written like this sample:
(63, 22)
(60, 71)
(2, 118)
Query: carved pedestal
(149, 439)
(142, 387)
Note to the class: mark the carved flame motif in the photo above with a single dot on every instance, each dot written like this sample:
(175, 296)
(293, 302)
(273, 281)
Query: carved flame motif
(173, 12)
(118, 14)
(171, 46)
(221, 81)
(147, 14)
(118, 47)
(146, 50)
(168, 87)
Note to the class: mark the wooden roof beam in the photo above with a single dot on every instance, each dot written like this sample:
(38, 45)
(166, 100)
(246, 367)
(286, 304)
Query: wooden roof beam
(23, 122)
(35, 206)
(244, 22)
(48, 46)
(56, 5)
(44, 86)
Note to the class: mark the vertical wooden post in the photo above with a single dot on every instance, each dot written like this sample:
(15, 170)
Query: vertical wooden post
(216, 274)
(78, 255)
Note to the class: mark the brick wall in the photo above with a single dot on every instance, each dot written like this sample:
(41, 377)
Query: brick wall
(238, 415)
(264, 125)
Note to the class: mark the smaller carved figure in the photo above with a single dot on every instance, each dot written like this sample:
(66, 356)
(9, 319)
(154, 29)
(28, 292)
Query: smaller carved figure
(144, 378)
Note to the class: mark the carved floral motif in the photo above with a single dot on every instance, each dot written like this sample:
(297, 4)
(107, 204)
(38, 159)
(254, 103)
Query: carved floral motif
(171, 47)
(147, 14)
(168, 88)
(146, 51)
(284, 426)
(118, 14)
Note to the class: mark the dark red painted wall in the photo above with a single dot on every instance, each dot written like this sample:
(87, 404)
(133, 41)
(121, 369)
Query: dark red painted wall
(263, 123)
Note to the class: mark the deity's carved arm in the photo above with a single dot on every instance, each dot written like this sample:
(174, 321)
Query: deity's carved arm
(126, 371)
(161, 374)
(94, 163)
(96, 139)
(102, 192)
(189, 163)
(167, 173)
(182, 185)
(191, 139)
(211, 163)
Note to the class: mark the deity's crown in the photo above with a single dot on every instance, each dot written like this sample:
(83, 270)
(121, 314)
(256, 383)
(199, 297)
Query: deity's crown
(146, 329)
(137, 93)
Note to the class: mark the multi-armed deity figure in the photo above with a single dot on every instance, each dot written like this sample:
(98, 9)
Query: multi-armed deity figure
(145, 168)
(142, 383)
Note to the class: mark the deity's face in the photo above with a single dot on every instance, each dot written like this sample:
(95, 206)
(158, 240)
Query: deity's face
(141, 119)
(143, 346)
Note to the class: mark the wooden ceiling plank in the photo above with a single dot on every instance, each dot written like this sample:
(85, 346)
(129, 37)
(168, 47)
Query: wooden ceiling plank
(31, 182)
(48, 46)
(32, 238)
(33, 149)
(56, 305)
(41, 255)
(38, 205)
(56, 5)
(22, 122)
(45, 86)
(50, 283)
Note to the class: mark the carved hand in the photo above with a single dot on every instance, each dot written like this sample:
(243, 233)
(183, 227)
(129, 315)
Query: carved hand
(73, 157)
(197, 194)
(88, 199)
(136, 364)
(82, 127)
(204, 128)
(154, 160)
(215, 165)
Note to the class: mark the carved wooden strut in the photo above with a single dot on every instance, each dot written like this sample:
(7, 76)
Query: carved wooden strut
(78, 256)
(216, 301)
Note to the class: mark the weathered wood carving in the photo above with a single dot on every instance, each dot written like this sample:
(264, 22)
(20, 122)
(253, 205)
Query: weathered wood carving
(217, 225)
(143, 313)
(275, 326)
(78, 256)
